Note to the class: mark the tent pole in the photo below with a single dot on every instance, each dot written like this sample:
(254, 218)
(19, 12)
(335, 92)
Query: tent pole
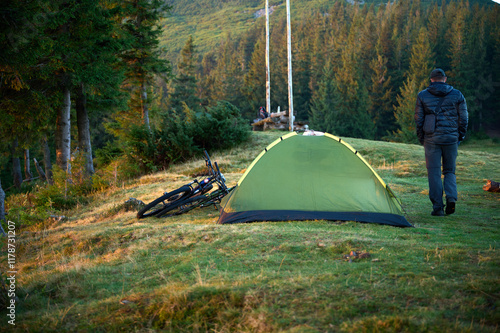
(289, 46)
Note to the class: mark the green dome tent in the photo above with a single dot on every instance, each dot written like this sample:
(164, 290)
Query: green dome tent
(301, 177)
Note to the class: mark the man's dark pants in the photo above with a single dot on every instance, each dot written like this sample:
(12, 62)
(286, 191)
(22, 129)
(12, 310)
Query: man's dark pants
(433, 156)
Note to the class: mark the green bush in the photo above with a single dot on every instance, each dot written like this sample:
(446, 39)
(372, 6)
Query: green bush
(107, 154)
(182, 136)
(221, 127)
(41, 200)
(66, 190)
(27, 208)
(114, 173)
(174, 140)
(151, 150)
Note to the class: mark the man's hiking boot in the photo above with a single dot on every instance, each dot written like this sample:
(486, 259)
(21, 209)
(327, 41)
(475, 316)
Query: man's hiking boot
(437, 212)
(450, 207)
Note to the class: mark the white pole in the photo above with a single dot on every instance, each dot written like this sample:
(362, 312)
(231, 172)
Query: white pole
(289, 45)
(268, 75)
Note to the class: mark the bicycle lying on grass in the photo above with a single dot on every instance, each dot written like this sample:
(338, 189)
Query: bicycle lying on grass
(189, 196)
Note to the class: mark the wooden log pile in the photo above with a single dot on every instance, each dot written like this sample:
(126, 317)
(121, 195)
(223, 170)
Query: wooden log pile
(277, 121)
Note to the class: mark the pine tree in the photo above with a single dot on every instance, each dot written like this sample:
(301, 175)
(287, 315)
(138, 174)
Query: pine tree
(322, 103)
(417, 79)
(279, 66)
(185, 88)
(318, 51)
(336, 36)
(491, 82)
(206, 79)
(400, 40)
(351, 115)
(435, 29)
(301, 77)
(368, 39)
(456, 38)
(228, 73)
(141, 24)
(244, 51)
(381, 92)
(88, 57)
(25, 92)
(255, 81)
(98, 76)
(474, 69)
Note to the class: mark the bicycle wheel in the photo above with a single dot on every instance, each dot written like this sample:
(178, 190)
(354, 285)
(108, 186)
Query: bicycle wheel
(183, 206)
(157, 205)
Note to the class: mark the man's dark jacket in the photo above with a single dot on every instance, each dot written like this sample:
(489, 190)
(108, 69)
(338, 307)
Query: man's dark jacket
(451, 119)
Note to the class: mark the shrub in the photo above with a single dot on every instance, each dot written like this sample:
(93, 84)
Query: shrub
(66, 191)
(114, 173)
(175, 140)
(42, 200)
(221, 127)
(182, 136)
(150, 150)
(24, 208)
(107, 154)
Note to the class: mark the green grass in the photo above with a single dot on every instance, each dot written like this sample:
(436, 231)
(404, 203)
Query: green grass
(104, 271)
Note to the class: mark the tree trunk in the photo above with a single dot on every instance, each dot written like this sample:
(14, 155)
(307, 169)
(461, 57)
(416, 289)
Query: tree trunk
(63, 134)
(27, 165)
(2, 208)
(16, 166)
(84, 142)
(39, 170)
(46, 160)
(144, 104)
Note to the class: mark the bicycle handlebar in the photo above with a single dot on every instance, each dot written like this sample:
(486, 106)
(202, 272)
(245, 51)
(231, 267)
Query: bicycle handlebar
(220, 177)
(208, 163)
(216, 174)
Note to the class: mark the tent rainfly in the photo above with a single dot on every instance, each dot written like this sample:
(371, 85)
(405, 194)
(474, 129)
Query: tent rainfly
(314, 177)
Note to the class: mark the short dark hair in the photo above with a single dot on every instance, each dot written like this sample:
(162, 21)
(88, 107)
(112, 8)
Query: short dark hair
(437, 73)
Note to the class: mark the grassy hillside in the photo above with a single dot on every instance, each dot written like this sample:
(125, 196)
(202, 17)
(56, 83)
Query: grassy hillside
(209, 21)
(103, 270)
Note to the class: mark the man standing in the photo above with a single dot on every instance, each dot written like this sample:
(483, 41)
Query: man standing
(441, 137)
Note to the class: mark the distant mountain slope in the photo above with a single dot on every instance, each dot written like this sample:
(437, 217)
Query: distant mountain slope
(209, 21)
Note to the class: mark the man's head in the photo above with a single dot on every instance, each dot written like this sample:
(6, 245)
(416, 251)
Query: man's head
(438, 75)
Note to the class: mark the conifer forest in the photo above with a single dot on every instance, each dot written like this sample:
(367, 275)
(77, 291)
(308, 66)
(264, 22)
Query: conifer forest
(91, 87)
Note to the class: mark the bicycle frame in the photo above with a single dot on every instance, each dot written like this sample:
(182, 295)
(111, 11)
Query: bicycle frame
(194, 194)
